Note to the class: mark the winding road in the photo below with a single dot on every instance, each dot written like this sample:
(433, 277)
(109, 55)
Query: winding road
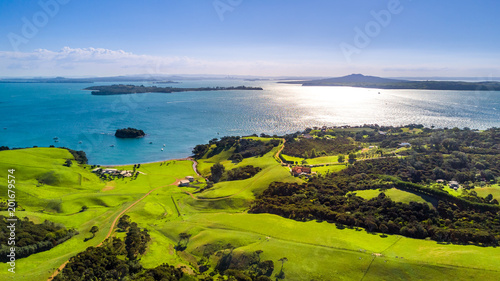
(60, 268)
(195, 169)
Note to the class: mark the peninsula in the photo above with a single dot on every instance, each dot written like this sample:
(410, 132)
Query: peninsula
(362, 81)
(385, 202)
(121, 89)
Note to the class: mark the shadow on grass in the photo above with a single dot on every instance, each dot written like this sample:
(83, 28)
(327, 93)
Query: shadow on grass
(87, 239)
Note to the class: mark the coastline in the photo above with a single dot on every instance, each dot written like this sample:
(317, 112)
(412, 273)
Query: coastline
(189, 158)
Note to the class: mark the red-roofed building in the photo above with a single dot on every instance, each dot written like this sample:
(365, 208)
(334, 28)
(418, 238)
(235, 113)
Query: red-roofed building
(297, 171)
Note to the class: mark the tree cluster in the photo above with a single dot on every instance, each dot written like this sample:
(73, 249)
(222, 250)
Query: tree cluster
(240, 173)
(333, 200)
(121, 89)
(311, 148)
(235, 265)
(244, 147)
(117, 260)
(32, 238)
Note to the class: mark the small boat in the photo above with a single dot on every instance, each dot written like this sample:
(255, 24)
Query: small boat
(163, 145)
(112, 145)
(56, 141)
(55, 138)
(150, 142)
(162, 149)
(80, 142)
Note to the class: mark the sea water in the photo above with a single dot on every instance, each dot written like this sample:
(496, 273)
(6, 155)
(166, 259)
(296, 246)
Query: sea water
(43, 114)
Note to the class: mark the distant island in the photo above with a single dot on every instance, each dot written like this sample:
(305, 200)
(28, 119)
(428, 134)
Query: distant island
(166, 82)
(133, 89)
(130, 133)
(362, 81)
(46, 80)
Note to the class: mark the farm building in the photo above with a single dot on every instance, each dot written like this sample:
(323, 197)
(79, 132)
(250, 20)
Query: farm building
(298, 171)
(453, 184)
(184, 183)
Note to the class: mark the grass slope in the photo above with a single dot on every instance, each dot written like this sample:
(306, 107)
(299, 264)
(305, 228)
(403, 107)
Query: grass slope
(316, 251)
(67, 190)
(395, 195)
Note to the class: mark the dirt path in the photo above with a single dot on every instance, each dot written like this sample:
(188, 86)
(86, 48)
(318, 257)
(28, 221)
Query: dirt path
(277, 155)
(195, 166)
(110, 229)
(229, 196)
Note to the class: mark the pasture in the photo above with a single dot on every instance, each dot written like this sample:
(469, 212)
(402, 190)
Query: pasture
(315, 250)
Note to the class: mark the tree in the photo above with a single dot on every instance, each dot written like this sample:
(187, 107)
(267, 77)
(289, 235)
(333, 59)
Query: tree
(84, 208)
(265, 268)
(352, 157)
(237, 157)
(136, 241)
(450, 144)
(258, 252)
(225, 261)
(123, 222)
(313, 153)
(161, 272)
(341, 158)
(183, 241)
(217, 171)
(281, 275)
(383, 228)
(94, 230)
(439, 173)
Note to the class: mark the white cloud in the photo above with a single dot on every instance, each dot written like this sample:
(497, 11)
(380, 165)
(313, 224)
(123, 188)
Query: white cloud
(105, 62)
(88, 61)
(72, 62)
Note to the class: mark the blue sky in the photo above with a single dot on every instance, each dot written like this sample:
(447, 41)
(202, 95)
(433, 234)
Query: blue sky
(250, 37)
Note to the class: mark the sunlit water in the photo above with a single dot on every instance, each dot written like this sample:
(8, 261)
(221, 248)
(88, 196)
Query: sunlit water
(33, 114)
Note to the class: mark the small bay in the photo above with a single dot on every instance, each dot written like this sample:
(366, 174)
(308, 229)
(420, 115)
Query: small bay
(33, 114)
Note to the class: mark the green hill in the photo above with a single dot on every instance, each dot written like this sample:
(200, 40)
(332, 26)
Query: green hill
(216, 216)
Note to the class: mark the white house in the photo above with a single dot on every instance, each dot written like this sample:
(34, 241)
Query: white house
(453, 184)
(184, 183)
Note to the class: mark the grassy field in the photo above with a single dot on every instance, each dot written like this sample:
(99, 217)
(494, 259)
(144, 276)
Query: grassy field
(293, 158)
(395, 195)
(492, 189)
(329, 169)
(312, 161)
(67, 189)
(315, 250)
(412, 131)
(354, 130)
(244, 190)
(323, 160)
